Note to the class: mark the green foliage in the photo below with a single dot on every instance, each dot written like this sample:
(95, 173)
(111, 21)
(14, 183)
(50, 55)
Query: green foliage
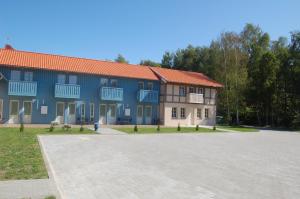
(158, 128)
(81, 128)
(66, 127)
(135, 128)
(51, 128)
(214, 128)
(121, 59)
(149, 63)
(197, 127)
(21, 127)
(178, 127)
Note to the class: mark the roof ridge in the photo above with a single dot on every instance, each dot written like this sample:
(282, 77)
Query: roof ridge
(65, 56)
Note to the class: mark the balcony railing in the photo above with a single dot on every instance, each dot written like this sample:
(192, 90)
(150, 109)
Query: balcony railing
(22, 88)
(111, 94)
(67, 91)
(195, 98)
(148, 96)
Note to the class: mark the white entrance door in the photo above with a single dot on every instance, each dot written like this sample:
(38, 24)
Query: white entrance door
(102, 114)
(148, 114)
(60, 109)
(111, 114)
(71, 113)
(1, 110)
(13, 112)
(139, 114)
(27, 112)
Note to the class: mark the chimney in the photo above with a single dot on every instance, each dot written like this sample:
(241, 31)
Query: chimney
(8, 47)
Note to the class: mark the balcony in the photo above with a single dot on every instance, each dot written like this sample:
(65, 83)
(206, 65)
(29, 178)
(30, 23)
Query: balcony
(22, 88)
(112, 94)
(70, 91)
(195, 98)
(148, 96)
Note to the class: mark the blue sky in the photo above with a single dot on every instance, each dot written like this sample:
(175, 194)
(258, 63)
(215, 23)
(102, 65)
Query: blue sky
(137, 29)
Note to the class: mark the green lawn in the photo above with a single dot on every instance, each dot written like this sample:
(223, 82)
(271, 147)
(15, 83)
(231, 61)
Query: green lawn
(238, 128)
(20, 154)
(141, 130)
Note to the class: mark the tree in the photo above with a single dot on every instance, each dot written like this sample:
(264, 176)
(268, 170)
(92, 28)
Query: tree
(121, 59)
(167, 60)
(148, 62)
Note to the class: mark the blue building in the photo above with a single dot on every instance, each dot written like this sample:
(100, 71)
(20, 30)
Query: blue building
(41, 88)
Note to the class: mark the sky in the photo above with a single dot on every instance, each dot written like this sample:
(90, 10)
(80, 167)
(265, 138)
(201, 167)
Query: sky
(137, 29)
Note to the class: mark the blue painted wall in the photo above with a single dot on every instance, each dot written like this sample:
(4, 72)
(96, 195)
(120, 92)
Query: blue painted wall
(90, 93)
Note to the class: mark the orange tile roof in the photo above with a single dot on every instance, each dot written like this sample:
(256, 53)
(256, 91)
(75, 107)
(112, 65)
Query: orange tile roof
(16, 58)
(185, 77)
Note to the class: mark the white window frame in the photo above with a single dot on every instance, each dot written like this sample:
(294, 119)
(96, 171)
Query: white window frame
(92, 111)
(104, 82)
(200, 90)
(63, 108)
(139, 85)
(206, 113)
(28, 76)
(182, 113)
(174, 113)
(15, 75)
(199, 113)
(82, 116)
(61, 77)
(150, 87)
(73, 79)
(182, 91)
(192, 89)
(112, 84)
(30, 107)
(10, 107)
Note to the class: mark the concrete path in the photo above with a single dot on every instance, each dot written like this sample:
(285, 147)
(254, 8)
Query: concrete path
(109, 131)
(33, 189)
(176, 166)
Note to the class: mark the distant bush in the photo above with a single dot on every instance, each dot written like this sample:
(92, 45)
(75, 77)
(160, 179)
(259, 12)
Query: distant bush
(81, 128)
(158, 128)
(197, 127)
(66, 127)
(51, 128)
(21, 127)
(135, 129)
(214, 128)
(178, 127)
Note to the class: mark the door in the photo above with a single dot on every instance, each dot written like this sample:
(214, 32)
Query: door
(27, 112)
(148, 114)
(102, 114)
(1, 110)
(13, 112)
(60, 106)
(71, 113)
(111, 114)
(139, 114)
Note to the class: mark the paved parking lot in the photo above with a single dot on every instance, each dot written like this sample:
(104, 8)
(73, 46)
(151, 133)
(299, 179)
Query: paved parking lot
(202, 166)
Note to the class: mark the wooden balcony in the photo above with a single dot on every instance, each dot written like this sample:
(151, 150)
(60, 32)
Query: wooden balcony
(70, 91)
(22, 88)
(195, 98)
(147, 96)
(111, 94)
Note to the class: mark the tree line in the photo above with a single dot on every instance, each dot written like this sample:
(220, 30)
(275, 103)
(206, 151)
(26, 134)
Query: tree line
(261, 77)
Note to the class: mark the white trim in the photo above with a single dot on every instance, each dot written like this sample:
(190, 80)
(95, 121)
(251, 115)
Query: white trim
(10, 107)
(82, 116)
(92, 115)
(63, 108)
(30, 107)
(1, 109)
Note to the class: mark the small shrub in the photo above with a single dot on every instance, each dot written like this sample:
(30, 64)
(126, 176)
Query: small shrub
(51, 128)
(197, 127)
(214, 128)
(81, 128)
(66, 127)
(135, 129)
(158, 128)
(178, 127)
(21, 127)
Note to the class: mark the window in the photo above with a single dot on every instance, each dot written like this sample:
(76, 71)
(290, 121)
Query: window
(72, 79)
(104, 82)
(174, 112)
(182, 112)
(28, 76)
(14, 107)
(112, 108)
(182, 91)
(27, 108)
(140, 111)
(199, 115)
(141, 85)
(191, 90)
(15, 75)
(150, 86)
(113, 83)
(82, 112)
(206, 113)
(148, 111)
(200, 90)
(61, 79)
(92, 111)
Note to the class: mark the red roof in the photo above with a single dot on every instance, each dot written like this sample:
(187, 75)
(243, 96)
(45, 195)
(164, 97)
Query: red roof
(185, 77)
(16, 58)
